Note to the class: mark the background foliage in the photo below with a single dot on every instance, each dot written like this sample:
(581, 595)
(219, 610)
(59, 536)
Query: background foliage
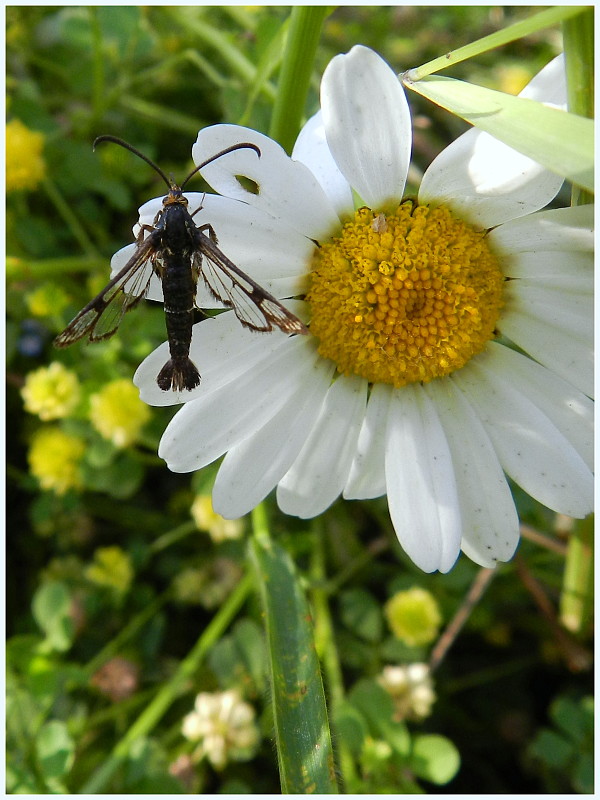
(114, 571)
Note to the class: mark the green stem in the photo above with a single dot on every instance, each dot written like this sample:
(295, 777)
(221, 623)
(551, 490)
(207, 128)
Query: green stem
(20, 268)
(578, 43)
(212, 37)
(64, 209)
(128, 632)
(98, 87)
(296, 70)
(327, 651)
(173, 536)
(525, 27)
(151, 715)
(576, 600)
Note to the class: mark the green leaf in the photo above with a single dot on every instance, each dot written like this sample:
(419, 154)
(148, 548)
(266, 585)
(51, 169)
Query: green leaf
(51, 610)
(240, 658)
(377, 707)
(301, 726)
(552, 748)
(351, 727)
(434, 758)
(55, 749)
(583, 775)
(573, 718)
(361, 613)
(147, 770)
(561, 142)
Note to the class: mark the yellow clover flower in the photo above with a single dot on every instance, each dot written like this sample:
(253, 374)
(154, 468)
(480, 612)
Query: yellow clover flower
(413, 616)
(207, 519)
(25, 165)
(46, 300)
(51, 392)
(117, 412)
(111, 568)
(54, 457)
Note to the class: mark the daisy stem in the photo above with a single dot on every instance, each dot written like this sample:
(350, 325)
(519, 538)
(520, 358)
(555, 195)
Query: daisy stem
(518, 30)
(578, 42)
(296, 69)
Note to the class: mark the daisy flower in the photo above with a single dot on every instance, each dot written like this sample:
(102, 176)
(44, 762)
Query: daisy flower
(450, 336)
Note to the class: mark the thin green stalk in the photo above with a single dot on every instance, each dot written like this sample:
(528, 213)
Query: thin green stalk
(296, 70)
(173, 536)
(327, 652)
(158, 114)
(577, 596)
(578, 43)
(17, 267)
(151, 715)
(98, 85)
(525, 27)
(64, 209)
(212, 37)
(126, 634)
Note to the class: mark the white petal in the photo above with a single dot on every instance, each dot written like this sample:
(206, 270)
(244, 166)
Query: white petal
(571, 271)
(561, 229)
(489, 517)
(286, 189)
(549, 85)
(267, 249)
(554, 327)
(367, 124)
(318, 475)
(149, 210)
(531, 449)
(252, 468)
(421, 486)
(367, 473)
(207, 427)
(222, 350)
(487, 182)
(570, 410)
(311, 148)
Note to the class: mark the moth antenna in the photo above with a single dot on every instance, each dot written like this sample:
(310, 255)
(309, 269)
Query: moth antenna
(135, 151)
(241, 146)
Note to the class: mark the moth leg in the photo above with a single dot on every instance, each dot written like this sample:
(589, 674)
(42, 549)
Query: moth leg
(144, 229)
(207, 227)
(193, 214)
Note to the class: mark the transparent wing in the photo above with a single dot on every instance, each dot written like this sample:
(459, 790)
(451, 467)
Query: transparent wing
(252, 305)
(102, 315)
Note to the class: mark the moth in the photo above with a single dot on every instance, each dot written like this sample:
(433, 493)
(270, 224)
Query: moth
(179, 253)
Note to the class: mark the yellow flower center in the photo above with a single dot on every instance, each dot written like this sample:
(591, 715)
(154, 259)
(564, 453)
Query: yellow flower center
(404, 297)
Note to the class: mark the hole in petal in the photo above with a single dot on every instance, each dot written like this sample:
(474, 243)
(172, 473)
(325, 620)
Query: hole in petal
(248, 184)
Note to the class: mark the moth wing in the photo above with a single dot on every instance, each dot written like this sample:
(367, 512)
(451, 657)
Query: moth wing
(253, 306)
(102, 316)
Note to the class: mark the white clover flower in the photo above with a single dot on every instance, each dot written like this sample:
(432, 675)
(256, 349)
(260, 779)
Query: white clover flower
(224, 725)
(411, 688)
(404, 299)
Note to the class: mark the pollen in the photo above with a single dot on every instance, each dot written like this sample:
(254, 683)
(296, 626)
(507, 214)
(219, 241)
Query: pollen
(404, 297)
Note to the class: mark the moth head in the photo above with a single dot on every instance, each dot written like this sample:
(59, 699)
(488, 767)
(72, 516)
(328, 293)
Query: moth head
(175, 197)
